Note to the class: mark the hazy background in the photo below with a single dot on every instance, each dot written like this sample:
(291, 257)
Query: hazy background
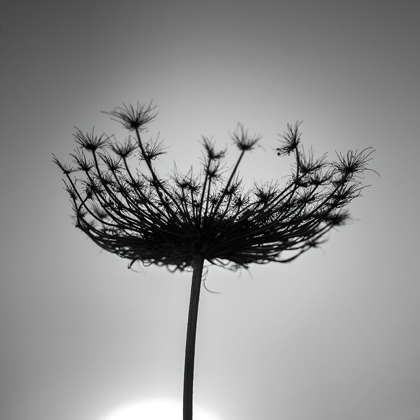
(333, 336)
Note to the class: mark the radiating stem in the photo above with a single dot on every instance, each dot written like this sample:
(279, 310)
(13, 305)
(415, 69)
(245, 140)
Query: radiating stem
(191, 334)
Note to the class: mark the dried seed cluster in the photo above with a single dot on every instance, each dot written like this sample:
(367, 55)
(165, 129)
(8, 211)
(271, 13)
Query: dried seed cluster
(141, 217)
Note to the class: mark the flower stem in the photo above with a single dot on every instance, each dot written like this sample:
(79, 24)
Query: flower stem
(191, 334)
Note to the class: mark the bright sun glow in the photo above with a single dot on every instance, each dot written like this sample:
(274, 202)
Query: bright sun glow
(156, 410)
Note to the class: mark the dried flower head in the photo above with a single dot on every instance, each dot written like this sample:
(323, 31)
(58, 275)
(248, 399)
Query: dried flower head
(141, 217)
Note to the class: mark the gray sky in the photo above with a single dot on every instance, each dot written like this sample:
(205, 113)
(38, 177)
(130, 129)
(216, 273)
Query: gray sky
(335, 334)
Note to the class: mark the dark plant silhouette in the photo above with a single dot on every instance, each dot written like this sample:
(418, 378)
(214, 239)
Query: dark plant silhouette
(183, 220)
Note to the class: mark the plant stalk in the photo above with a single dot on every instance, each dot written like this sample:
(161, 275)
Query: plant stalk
(191, 334)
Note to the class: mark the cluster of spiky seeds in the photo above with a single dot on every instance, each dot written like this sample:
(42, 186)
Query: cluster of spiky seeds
(141, 217)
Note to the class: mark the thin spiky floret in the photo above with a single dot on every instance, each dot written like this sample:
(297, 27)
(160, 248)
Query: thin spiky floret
(124, 150)
(79, 158)
(243, 140)
(209, 147)
(353, 163)
(152, 149)
(65, 167)
(308, 165)
(290, 139)
(134, 118)
(90, 141)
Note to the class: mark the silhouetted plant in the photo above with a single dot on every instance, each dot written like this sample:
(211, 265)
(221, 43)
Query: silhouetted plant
(183, 220)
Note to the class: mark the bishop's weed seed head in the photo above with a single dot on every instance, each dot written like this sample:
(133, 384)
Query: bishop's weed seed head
(140, 216)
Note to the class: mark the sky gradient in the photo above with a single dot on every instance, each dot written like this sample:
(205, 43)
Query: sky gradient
(335, 335)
